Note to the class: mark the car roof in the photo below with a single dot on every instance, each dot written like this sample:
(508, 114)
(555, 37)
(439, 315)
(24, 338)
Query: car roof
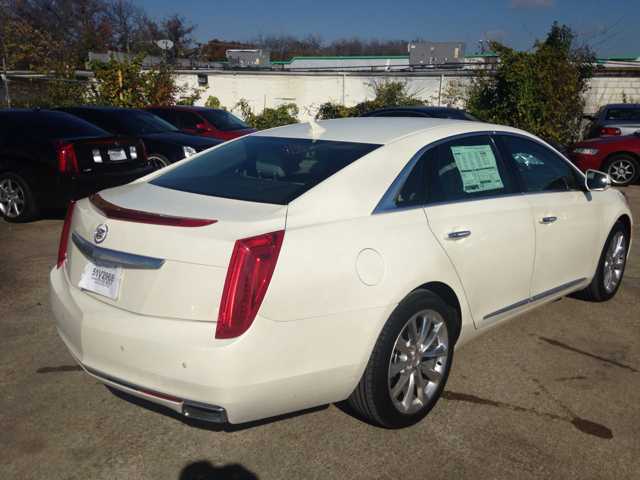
(182, 107)
(622, 105)
(101, 109)
(382, 130)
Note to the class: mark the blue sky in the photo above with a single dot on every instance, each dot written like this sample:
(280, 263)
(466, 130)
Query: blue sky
(611, 27)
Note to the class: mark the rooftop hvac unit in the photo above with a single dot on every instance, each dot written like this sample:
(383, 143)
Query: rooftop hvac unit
(441, 53)
(249, 58)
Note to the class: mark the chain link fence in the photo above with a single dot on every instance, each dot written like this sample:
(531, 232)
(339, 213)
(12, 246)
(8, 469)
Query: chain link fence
(31, 91)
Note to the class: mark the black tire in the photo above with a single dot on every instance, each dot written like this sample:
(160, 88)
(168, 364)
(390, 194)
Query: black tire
(610, 270)
(623, 169)
(16, 199)
(389, 394)
(158, 161)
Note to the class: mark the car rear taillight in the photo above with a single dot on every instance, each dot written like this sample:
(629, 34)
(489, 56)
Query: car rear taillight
(602, 131)
(67, 160)
(64, 238)
(252, 264)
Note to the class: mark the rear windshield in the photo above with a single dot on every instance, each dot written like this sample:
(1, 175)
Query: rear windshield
(223, 121)
(624, 113)
(52, 125)
(139, 122)
(263, 169)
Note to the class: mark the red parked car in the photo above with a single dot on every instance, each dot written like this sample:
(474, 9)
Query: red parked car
(203, 121)
(617, 156)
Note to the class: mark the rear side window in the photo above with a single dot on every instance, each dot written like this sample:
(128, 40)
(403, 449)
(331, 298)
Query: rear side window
(537, 168)
(166, 115)
(55, 125)
(263, 169)
(466, 169)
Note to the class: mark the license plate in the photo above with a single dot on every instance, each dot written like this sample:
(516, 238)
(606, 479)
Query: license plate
(102, 278)
(117, 154)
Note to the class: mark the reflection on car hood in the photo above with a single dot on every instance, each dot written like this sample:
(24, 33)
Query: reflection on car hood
(183, 139)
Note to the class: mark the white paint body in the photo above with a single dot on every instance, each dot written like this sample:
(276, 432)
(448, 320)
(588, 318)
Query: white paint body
(341, 272)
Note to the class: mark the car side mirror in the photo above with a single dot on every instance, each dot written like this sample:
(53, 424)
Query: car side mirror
(588, 117)
(203, 126)
(597, 181)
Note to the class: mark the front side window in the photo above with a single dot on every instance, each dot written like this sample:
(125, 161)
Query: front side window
(223, 121)
(188, 120)
(465, 169)
(263, 169)
(537, 168)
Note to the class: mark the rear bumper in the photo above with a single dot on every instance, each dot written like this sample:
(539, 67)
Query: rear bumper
(79, 186)
(274, 368)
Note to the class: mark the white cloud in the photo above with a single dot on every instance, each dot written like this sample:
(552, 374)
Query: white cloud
(531, 4)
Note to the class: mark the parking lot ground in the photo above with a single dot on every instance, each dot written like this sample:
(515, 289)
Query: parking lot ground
(553, 394)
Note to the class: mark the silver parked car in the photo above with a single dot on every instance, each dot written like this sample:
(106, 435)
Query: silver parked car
(615, 119)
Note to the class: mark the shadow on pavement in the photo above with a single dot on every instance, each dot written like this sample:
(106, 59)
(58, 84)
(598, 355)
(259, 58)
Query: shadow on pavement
(203, 470)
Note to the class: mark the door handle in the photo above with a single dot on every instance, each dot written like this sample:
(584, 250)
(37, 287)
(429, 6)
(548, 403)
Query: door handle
(547, 220)
(456, 235)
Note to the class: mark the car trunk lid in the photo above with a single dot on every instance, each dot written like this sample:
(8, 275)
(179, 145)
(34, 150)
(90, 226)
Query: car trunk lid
(193, 260)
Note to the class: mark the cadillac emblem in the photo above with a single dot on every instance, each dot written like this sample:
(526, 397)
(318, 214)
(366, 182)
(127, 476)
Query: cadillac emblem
(101, 233)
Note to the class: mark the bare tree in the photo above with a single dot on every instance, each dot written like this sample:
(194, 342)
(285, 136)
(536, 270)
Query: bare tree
(178, 29)
(126, 21)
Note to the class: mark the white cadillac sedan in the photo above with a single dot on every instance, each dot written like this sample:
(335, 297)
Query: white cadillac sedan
(320, 262)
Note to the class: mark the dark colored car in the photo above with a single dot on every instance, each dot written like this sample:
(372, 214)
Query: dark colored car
(203, 121)
(615, 119)
(48, 158)
(165, 144)
(429, 112)
(617, 156)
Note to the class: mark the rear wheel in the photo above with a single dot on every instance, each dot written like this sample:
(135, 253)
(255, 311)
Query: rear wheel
(610, 270)
(158, 161)
(16, 200)
(410, 363)
(623, 170)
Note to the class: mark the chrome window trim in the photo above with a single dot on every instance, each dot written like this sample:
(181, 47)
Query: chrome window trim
(102, 254)
(388, 202)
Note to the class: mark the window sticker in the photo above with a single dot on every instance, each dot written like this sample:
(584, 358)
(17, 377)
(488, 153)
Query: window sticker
(478, 168)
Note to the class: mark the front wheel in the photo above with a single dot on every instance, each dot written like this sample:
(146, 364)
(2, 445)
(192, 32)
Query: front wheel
(16, 200)
(158, 161)
(410, 363)
(623, 170)
(610, 270)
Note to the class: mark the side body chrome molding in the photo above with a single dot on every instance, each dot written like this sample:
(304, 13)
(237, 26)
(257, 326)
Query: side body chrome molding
(101, 254)
(535, 298)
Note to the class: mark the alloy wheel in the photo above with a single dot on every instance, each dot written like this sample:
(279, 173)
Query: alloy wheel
(621, 171)
(614, 262)
(11, 198)
(418, 361)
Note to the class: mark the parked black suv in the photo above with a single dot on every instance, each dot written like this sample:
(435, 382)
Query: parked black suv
(48, 158)
(165, 143)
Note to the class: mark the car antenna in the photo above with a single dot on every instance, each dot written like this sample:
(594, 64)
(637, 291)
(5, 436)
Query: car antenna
(316, 130)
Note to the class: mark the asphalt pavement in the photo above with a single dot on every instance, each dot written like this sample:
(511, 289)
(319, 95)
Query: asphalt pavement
(552, 394)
